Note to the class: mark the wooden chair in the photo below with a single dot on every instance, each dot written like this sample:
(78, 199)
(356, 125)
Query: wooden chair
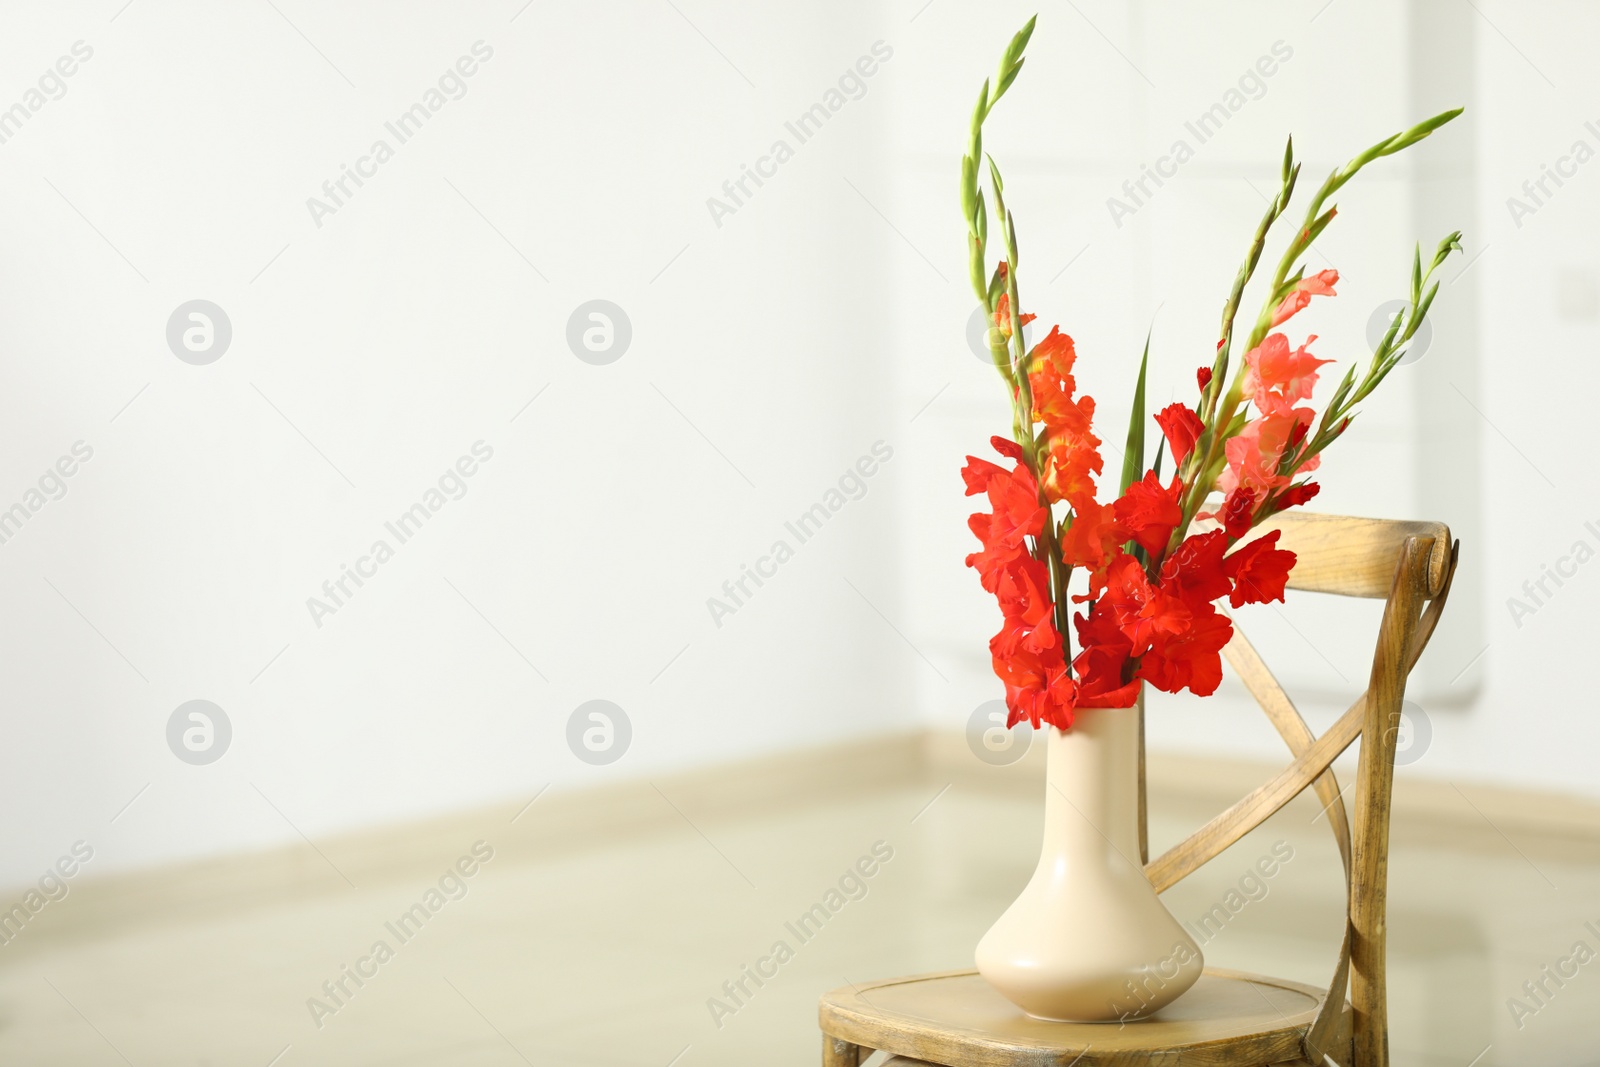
(955, 1019)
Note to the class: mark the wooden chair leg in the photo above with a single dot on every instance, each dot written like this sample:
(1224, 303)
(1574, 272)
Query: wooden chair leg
(837, 1052)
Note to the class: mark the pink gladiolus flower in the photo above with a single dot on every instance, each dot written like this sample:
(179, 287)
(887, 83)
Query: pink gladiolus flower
(1276, 377)
(1319, 284)
(1255, 455)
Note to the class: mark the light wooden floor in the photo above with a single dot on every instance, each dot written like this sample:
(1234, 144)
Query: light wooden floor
(601, 928)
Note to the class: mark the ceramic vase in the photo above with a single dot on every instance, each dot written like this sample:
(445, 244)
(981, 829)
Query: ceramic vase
(1089, 940)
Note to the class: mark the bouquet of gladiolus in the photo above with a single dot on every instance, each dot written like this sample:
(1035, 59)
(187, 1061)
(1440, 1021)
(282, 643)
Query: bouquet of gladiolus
(1238, 455)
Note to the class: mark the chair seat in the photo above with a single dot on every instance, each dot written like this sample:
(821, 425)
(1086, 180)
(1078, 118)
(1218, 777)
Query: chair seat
(956, 1019)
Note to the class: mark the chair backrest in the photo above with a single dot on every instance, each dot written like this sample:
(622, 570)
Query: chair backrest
(1410, 566)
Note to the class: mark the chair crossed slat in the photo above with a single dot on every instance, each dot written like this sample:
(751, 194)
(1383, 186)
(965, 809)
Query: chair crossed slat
(1257, 677)
(1419, 571)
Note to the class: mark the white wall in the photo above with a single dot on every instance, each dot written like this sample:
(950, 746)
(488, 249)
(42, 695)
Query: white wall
(393, 337)
(769, 352)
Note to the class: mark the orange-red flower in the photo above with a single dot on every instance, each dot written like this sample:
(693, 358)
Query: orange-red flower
(1182, 428)
(1151, 617)
(1148, 512)
(1144, 611)
(1002, 316)
(1013, 494)
(1023, 590)
(1091, 537)
(1319, 284)
(1258, 570)
(1277, 378)
(1298, 494)
(1105, 666)
(1071, 452)
(1189, 659)
(1167, 632)
(1072, 460)
(1050, 373)
(1194, 572)
(1239, 512)
(1256, 454)
(1027, 654)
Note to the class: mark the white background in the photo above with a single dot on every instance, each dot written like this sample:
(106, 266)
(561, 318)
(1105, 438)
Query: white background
(769, 353)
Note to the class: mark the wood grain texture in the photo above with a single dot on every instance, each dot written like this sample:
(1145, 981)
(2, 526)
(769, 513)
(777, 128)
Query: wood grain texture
(1354, 557)
(957, 1018)
(1368, 913)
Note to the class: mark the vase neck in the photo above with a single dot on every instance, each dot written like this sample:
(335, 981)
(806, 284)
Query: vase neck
(1092, 784)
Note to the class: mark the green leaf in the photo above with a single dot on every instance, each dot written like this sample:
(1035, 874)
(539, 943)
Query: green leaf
(1133, 455)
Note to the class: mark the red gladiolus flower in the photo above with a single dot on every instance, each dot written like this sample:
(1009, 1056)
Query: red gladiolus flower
(1008, 448)
(1014, 496)
(995, 556)
(1259, 571)
(1148, 512)
(1071, 456)
(1298, 494)
(1024, 594)
(1238, 512)
(979, 472)
(1027, 654)
(1105, 677)
(1194, 572)
(1030, 664)
(1043, 696)
(1092, 537)
(1191, 658)
(1182, 428)
(1203, 375)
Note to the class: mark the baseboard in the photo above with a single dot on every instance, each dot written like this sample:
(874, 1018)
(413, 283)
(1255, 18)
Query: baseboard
(564, 821)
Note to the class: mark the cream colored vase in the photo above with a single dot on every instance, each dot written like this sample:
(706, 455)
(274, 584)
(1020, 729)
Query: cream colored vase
(1088, 940)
